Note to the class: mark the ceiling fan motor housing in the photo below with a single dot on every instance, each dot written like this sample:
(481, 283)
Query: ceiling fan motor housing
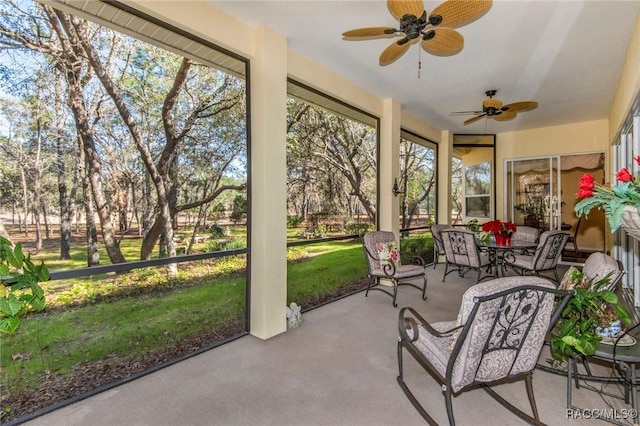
(412, 26)
(492, 106)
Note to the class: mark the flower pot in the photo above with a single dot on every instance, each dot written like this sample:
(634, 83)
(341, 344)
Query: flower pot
(631, 221)
(612, 331)
(500, 240)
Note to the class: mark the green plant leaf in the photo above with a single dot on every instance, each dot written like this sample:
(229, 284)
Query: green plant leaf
(9, 325)
(18, 256)
(10, 305)
(623, 314)
(609, 296)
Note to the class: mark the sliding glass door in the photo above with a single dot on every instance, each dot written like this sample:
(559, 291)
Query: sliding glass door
(541, 193)
(532, 192)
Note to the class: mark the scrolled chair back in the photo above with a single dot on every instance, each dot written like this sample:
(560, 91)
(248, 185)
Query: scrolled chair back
(506, 321)
(549, 250)
(370, 242)
(460, 247)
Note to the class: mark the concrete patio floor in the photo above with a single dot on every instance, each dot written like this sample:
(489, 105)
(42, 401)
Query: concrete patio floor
(338, 368)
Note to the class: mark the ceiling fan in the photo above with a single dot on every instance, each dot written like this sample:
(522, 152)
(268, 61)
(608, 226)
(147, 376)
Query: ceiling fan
(435, 30)
(493, 108)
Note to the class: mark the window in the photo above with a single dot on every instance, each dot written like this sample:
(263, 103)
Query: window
(477, 190)
(417, 181)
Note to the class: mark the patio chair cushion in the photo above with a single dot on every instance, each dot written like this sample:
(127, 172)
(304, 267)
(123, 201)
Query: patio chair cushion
(599, 265)
(402, 271)
(437, 349)
(522, 261)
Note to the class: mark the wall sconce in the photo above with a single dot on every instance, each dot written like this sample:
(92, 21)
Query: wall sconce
(395, 190)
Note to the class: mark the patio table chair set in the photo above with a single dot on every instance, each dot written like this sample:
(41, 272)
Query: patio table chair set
(502, 324)
(540, 254)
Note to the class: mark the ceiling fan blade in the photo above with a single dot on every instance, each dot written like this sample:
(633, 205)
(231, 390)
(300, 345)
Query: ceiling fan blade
(399, 8)
(369, 32)
(505, 116)
(474, 119)
(456, 13)
(445, 42)
(465, 113)
(393, 52)
(520, 106)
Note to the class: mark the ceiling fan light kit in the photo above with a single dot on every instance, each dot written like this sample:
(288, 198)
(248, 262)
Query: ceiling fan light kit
(436, 31)
(494, 108)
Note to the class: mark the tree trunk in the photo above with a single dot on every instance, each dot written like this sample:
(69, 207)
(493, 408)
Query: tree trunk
(72, 68)
(47, 230)
(93, 255)
(25, 201)
(63, 196)
(36, 187)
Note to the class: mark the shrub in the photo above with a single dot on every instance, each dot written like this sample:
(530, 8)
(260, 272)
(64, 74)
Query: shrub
(421, 246)
(217, 231)
(19, 288)
(357, 228)
(293, 221)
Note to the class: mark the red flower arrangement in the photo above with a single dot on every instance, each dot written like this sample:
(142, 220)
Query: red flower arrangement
(498, 227)
(501, 230)
(611, 198)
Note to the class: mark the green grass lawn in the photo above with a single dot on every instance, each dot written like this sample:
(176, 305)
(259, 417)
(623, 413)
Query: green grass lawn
(121, 317)
(143, 312)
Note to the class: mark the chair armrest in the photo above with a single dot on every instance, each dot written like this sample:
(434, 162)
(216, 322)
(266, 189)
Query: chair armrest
(389, 269)
(417, 260)
(409, 319)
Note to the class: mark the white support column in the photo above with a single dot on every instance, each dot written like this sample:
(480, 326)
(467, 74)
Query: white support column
(445, 150)
(389, 166)
(268, 184)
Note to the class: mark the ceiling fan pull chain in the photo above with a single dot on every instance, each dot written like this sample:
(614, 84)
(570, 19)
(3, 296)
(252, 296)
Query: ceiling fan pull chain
(419, 62)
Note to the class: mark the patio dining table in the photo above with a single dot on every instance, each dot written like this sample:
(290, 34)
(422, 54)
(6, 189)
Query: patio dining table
(499, 252)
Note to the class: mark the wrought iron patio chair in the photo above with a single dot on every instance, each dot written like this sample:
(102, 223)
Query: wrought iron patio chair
(544, 259)
(461, 251)
(374, 244)
(438, 247)
(497, 338)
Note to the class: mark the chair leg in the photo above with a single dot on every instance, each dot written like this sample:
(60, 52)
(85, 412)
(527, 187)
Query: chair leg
(446, 268)
(395, 293)
(424, 287)
(366, 293)
(408, 393)
(449, 404)
(555, 272)
(532, 400)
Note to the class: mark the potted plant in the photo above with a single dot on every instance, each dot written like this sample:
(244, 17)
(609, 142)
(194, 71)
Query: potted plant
(20, 290)
(474, 226)
(591, 307)
(620, 201)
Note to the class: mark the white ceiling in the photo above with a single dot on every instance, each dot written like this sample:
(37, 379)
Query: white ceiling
(566, 55)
